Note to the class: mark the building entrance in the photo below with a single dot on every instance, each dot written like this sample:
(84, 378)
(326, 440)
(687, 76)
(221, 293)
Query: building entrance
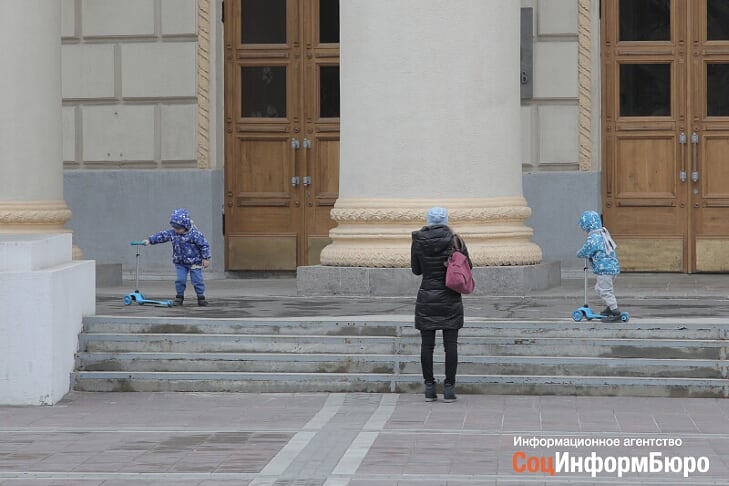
(665, 181)
(281, 131)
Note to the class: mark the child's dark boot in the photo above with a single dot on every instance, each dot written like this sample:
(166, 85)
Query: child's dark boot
(201, 301)
(606, 311)
(614, 315)
(179, 299)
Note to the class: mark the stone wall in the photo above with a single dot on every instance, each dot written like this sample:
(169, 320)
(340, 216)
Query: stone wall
(129, 83)
(550, 118)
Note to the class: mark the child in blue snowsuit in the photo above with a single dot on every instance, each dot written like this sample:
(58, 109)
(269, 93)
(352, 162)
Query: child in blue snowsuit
(190, 254)
(600, 250)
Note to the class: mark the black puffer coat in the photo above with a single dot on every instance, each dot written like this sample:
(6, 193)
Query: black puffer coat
(437, 307)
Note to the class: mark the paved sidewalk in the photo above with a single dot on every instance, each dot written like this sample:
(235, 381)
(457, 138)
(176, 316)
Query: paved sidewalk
(187, 439)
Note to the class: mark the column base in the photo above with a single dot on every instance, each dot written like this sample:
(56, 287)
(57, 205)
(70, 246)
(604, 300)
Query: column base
(320, 280)
(42, 217)
(34, 216)
(43, 297)
(377, 232)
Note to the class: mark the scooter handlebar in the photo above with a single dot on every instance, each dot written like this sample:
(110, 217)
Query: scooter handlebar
(136, 243)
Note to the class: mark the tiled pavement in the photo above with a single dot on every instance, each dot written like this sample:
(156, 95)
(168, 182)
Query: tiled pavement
(187, 439)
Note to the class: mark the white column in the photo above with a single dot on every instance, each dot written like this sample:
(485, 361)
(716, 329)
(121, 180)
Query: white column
(31, 164)
(430, 116)
(43, 293)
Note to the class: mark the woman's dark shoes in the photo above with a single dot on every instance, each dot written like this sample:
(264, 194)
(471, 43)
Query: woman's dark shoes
(430, 395)
(449, 393)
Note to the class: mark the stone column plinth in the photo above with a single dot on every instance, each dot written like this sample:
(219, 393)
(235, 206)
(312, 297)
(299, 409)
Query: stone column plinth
(31, 166)
(430, 117)
(43, 296)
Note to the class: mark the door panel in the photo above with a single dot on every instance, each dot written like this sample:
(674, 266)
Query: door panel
(321, 164)
(282, 131)
(322, 194)
(715, 158)
(645, 170)
(666, 133)
(245, 252)
(711, 203)
(710, 121)
(664, 253)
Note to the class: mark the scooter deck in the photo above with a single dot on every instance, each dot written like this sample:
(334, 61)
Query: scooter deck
(139, 299)
(586, 313)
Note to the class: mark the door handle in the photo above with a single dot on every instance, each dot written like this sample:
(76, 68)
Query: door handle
(695, 162)
(307, 146)
(295, 180)
(682, 140)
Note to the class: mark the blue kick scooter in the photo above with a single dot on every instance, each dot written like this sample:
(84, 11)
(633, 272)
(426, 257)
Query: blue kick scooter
(137, 296)
(587, 313)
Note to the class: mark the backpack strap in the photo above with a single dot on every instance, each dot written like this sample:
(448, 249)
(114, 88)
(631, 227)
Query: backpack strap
(458, 243)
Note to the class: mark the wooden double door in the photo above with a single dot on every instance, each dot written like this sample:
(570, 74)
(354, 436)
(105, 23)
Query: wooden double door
(281, 131)
(666, 133)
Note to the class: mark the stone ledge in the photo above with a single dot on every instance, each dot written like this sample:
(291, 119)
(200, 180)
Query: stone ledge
(31, 252)
(499, 280)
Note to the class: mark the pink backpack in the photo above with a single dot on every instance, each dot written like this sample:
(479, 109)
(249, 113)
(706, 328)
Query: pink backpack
(458, 274)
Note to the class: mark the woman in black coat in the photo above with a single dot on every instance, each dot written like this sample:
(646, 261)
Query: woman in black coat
(436, 307)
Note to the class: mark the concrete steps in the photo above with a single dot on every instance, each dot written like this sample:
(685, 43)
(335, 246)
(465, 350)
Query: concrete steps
(640, 358)
(391, 364)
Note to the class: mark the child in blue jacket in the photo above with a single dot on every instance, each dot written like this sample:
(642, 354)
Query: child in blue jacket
(190, 254)
(600, 250)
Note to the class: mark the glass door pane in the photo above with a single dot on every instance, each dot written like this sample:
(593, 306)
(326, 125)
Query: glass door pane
(645, 90)
(717, 96)
(263, 91)
(328, 21)
(263, 21)
(645, 20)
(329, 91)
(717, 20)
